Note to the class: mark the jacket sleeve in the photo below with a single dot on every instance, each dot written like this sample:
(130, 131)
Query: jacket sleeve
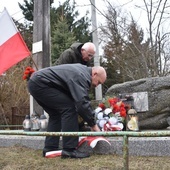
(85, 111)
(66, 57)
(79, 92)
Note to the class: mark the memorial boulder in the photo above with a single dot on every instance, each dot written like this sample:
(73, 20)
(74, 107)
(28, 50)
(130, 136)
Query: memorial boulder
(152, 97)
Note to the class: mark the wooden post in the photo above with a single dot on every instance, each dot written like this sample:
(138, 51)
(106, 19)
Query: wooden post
(41, 40)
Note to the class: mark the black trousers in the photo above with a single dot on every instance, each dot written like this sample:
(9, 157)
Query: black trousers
(62, 114)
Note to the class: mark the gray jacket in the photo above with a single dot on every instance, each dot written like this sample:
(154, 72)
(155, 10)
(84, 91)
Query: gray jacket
(75, 81)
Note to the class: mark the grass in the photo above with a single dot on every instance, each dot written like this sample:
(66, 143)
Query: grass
(22, 158)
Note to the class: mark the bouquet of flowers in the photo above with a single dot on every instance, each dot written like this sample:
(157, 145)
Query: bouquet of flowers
(110, 115)
(27, 73)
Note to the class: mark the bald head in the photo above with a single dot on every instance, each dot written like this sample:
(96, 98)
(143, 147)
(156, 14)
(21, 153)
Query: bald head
(98, 75)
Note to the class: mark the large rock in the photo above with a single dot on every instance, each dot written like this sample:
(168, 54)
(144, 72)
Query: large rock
(158, 89)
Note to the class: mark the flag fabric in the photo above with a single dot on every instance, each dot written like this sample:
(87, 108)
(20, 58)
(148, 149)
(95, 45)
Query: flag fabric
(53, 154)
(12, 46)
(91, 141)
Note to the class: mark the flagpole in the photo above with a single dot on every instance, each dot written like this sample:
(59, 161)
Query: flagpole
(34, 62)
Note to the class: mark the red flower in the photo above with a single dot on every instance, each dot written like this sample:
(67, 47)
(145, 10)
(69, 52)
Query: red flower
(118, 106)
(115, 108)
(123, 113)
(102, 106)
(27, 73)
(113, 101)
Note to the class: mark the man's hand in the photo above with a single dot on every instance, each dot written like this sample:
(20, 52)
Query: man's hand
(95, 128)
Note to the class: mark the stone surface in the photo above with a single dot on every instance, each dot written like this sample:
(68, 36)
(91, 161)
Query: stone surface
(139, 146)
(158, 89)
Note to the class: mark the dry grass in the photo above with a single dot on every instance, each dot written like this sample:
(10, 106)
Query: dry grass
(22, 158)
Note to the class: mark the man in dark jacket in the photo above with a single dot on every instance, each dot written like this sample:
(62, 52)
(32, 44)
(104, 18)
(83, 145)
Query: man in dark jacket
(62, 91)
(79, 53)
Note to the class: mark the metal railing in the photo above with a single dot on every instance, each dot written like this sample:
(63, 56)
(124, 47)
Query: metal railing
(124, 134)
(16, 127)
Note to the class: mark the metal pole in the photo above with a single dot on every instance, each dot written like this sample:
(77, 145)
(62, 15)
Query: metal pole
(125, 153)
(98, 89)
(109, 134)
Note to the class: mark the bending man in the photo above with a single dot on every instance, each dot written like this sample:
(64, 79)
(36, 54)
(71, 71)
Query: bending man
(62, 91)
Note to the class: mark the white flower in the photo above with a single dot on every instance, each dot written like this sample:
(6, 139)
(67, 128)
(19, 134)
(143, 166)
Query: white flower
(102, 122)
(100, 115)
(117, 114)
(106, 118)
(98, 109)
(107, 111)
(113, 120)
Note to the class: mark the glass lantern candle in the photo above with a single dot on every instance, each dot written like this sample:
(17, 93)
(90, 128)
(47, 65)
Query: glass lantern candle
(132, 120)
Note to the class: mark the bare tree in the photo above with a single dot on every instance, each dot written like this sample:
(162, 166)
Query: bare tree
(13, 91)
(124, 45)
(157, 15)
(134, 56)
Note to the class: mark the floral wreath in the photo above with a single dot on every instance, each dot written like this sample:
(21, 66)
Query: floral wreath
(111, 114)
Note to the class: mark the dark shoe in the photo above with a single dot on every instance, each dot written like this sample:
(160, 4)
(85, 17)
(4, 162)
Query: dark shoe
(74, 154)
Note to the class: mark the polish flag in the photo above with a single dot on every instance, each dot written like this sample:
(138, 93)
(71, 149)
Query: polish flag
(12, 47)
(91, 141)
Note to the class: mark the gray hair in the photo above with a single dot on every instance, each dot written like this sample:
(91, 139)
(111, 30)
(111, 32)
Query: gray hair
(89, 45)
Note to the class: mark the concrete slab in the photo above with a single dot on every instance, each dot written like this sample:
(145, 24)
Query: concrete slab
(139, 146)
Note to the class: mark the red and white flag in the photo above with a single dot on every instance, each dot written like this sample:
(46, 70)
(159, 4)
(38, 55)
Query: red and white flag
(12, 46)
(91, 141)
